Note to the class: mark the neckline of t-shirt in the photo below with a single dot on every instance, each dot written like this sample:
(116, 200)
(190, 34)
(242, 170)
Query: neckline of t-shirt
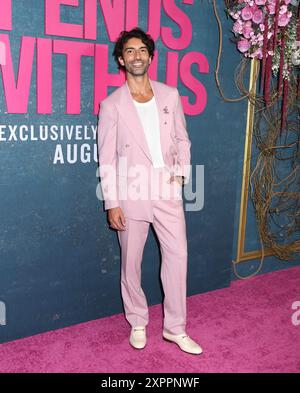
(144, 103)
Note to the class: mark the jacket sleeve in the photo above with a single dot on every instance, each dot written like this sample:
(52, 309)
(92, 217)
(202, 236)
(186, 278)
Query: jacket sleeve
(182, 168)
(107, 152)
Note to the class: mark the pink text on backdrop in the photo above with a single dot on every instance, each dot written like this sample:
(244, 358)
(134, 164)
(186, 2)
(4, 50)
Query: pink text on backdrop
(5, 15)
(2, 53)
(17, 88)
(119, 15)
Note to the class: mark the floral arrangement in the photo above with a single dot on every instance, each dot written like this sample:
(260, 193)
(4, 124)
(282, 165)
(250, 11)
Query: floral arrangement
(268, 30)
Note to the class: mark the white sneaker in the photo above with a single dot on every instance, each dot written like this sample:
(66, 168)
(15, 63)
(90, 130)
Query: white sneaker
(184, 342)
(138, 337)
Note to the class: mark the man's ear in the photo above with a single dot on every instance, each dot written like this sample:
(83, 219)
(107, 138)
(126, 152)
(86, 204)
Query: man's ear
(121, 61)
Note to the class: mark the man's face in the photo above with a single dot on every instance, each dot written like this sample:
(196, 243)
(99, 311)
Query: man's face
(135, 57)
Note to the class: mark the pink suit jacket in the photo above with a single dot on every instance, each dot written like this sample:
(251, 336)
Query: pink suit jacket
(121, 136)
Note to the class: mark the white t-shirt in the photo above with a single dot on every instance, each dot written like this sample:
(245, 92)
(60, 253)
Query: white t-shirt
(149, 117)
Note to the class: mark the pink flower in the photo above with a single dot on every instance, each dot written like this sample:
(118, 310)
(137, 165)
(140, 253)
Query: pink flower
(271, 9)
(260, 37)
(258, 16)
(243, 45)
(246, 31)
(262, 27)
(246, 13)
(283, 9)
(283, 20)
(272, 6)
(237, 28)
(257, 54)
(260, 2)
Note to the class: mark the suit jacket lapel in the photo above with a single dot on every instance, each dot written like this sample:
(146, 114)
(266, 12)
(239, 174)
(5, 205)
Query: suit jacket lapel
(131, 118)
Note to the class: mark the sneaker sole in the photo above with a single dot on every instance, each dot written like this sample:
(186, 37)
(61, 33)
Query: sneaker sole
(137, 347)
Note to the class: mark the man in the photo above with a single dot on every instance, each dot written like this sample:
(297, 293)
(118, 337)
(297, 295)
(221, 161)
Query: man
(142, 129)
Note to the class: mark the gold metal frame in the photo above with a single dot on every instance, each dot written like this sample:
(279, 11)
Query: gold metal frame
(242, 255)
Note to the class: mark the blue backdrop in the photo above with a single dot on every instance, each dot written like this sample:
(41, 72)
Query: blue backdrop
(60, 264)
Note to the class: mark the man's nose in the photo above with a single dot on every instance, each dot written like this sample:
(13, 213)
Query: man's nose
(137, 54)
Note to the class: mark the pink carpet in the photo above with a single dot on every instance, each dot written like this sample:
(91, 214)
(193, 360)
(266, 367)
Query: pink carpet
(244, 328)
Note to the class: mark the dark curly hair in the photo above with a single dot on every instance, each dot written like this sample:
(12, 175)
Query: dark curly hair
(134, 33)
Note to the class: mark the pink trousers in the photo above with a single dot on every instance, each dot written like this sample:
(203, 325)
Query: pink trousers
(170, 228)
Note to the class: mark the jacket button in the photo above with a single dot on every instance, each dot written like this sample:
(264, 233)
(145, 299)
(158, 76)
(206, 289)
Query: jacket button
(127, 145)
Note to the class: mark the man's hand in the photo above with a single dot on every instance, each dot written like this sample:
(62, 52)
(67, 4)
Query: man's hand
(179, 179)
(116, 219)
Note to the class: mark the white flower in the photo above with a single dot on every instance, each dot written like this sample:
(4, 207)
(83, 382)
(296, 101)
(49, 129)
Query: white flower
(296, 58)
(262, 27)
(283, 9)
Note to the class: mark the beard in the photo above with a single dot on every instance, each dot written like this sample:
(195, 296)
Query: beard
(139, 70)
